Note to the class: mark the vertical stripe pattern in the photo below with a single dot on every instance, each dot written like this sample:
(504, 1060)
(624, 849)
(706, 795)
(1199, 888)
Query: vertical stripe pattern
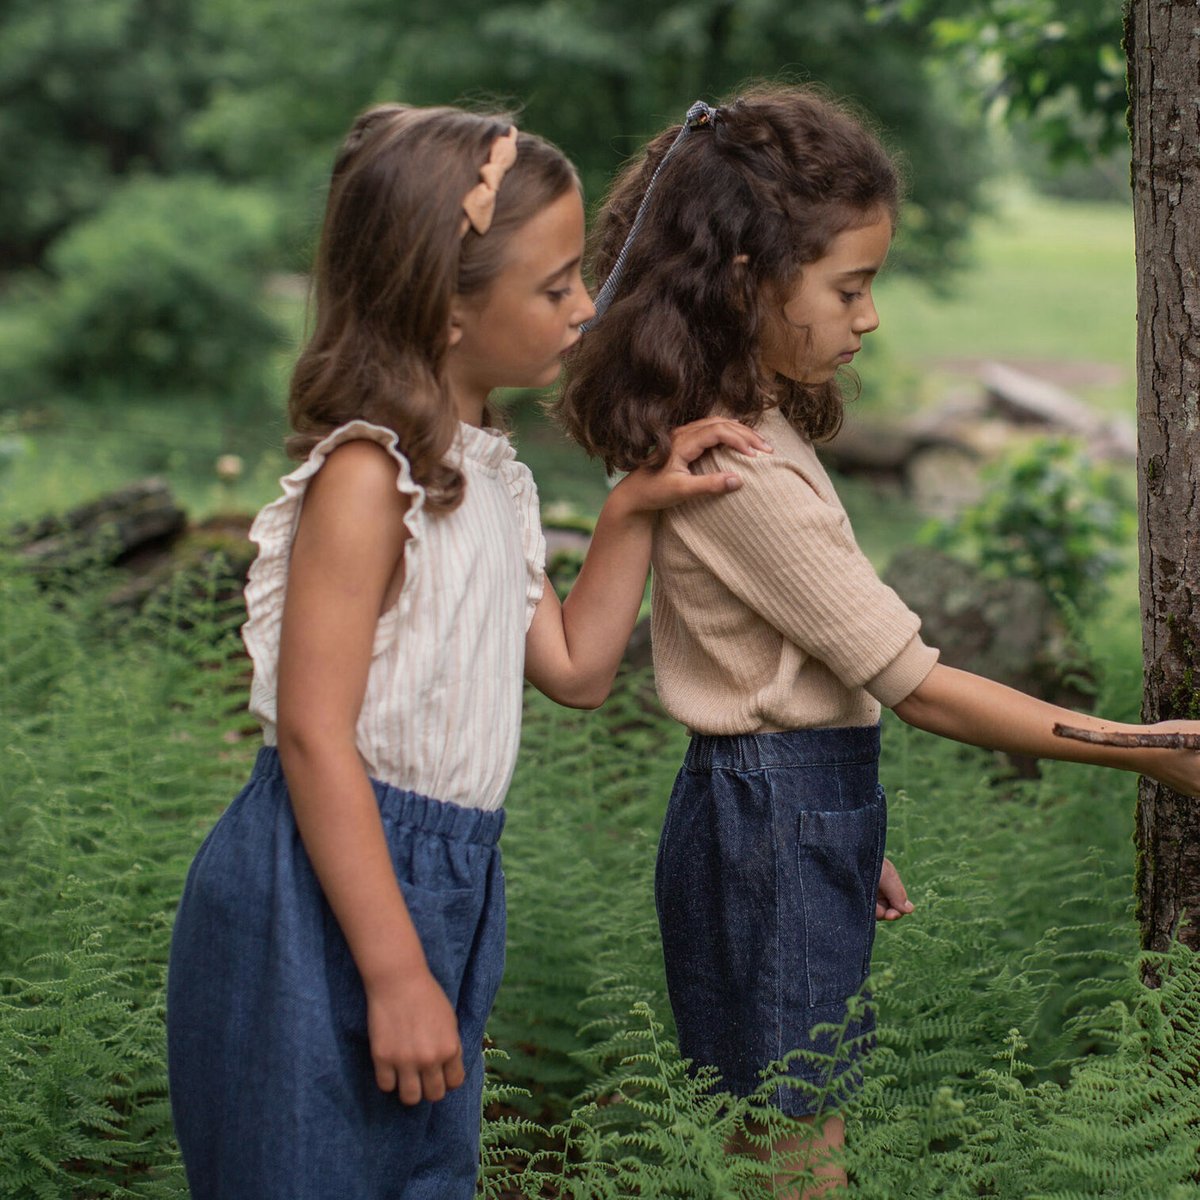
(442, 711)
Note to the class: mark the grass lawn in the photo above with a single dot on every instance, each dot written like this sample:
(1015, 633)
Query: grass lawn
(1053, 289)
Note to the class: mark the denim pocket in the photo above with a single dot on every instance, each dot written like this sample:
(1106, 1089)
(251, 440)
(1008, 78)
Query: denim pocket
(446, 922)
(839, 857)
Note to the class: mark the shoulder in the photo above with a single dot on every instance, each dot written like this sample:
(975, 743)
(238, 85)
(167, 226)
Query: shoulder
(355, 495)
(359, 463)
(783, 476)
(360, 469)
(781, 503)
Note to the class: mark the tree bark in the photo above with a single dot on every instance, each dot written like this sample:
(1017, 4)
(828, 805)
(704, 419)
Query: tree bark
(1163, 51)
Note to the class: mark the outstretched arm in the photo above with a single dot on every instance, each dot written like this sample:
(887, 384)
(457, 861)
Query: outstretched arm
(970, 708)
(573, 649)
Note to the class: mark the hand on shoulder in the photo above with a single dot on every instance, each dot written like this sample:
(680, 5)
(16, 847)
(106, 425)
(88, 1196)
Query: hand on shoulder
(649, 489)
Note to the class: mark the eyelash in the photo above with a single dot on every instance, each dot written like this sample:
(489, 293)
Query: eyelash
(850, 297)
(558, 295)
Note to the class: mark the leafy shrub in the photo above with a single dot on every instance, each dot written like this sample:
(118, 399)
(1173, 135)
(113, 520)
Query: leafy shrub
(114, 763)
(162, 289)
(1019, 1054)
(1050, 515)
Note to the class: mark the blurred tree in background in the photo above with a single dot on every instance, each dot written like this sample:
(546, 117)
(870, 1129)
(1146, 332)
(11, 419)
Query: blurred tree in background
(600, 77)
(1057, 63)
(90, 94)
(116, 275)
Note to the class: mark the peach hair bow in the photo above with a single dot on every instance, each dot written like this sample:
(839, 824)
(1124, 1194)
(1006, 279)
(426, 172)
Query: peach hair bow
(479, 203)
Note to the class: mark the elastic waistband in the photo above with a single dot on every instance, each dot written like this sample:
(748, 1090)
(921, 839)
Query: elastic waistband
(439, 817)
(791, 748)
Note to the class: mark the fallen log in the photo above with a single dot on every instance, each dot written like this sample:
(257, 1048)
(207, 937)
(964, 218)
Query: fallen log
(1024, 399)
(141, 530)
(111, 529)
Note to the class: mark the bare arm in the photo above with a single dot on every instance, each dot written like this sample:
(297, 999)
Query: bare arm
(981, 712)
(572, 650)
(347, 550)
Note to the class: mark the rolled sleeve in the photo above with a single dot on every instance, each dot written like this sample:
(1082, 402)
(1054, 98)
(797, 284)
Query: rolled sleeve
(790, 557)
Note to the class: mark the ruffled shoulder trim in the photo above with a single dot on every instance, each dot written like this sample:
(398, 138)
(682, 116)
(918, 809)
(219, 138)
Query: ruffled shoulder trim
(274, 529)
(533, 541)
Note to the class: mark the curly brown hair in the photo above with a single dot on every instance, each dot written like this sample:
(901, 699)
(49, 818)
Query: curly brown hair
(391, 258)
(735, 215)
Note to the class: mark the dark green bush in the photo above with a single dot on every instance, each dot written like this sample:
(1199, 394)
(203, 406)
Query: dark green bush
(1048, 514)
(163, 290)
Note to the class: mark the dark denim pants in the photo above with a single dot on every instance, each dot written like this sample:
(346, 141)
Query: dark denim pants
(272, 1085)
(767, 872)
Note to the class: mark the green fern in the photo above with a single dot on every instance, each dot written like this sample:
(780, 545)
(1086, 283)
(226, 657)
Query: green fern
(1018, 1056)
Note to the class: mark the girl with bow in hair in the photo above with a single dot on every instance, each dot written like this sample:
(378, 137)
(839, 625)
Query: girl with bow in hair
(341, 933)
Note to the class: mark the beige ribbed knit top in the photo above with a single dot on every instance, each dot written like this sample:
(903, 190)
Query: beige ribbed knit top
(442, 711)
(766, 614)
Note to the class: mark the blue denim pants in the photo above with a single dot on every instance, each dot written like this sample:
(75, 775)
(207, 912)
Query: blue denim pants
(272, 1085)
(765, 887)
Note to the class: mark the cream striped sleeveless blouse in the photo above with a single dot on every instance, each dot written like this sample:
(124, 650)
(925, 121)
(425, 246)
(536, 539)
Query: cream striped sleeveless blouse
(442, 710)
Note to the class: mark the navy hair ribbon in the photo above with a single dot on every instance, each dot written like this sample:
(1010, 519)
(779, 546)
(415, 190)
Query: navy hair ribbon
(699, 116)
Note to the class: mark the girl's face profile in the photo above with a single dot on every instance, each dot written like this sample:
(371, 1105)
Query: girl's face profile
(515, 333)
(820, 324)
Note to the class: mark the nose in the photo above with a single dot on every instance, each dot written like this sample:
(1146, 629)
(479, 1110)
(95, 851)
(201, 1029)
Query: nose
(586, 310)
(867, 318)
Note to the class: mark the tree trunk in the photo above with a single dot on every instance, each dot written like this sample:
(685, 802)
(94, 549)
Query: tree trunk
(1163, 50)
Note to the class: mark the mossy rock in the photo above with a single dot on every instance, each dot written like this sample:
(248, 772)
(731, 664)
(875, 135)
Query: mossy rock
(1009, 630)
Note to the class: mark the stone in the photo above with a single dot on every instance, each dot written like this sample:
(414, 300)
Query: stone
(1006, 629)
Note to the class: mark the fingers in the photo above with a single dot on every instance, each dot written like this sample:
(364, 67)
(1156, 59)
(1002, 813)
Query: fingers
(410, 1086)
(688, 442)
(892, 900)
(707, 485)
(386, 1078)
(433, 1082)
(445, 1077)
(412, 1083)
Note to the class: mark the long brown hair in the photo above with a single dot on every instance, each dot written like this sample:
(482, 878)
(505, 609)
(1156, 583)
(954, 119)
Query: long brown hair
(735, 214)
(391, 259)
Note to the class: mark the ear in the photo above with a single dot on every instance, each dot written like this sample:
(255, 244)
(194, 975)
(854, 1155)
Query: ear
(455, 323)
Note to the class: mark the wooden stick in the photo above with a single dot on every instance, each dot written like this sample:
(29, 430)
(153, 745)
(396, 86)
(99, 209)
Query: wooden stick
(1132, 741)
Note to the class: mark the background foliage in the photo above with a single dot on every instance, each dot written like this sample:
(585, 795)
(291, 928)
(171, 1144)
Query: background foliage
(161, 171)
(1048, 513)
(191, 139)
(1019, 1056)
(1060, 62)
